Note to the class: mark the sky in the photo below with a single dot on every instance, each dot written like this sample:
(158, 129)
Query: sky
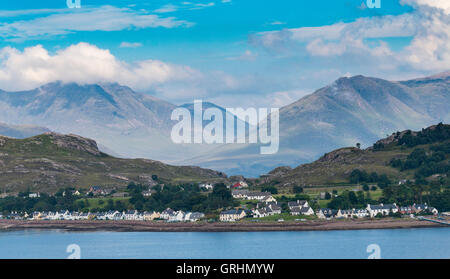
(231, 52)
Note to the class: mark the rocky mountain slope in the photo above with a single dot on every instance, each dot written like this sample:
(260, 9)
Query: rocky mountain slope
(336, 166)
(50, 161)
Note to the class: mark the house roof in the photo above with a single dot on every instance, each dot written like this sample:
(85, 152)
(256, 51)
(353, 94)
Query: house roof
(231, 212)
(258, 194)
(305, 209)
(382, 206)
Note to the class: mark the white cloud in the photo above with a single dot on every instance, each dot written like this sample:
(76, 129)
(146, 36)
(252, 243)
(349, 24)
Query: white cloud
(276, 22)
(83, 63)
(428, 26)
(439, 4)
(169, 8)
(248, 55)
(130, 45)
(105, 18)
(198, 6)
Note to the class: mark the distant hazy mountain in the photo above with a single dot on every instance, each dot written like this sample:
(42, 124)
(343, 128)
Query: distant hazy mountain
(225, 114)
(350, 110)
(21, 131)
(122, 121)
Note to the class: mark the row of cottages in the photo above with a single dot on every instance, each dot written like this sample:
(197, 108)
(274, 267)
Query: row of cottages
(263, 210)
(179, 216)
(61, 215)
(131, 215)
(300, 207)
(326, 213)
(352, 213)
(417, 208)
(383, 209)
(232, 215)
(247, 195)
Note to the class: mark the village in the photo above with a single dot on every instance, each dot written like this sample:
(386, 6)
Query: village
(263, 204)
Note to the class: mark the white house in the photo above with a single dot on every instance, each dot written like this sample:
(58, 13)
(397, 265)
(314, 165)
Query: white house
(177, 216)
(232, 215)
(34, 195)
(166, 214)
(239, 194)
(130, 215)
(261, 196)
(384, 209)
(206, 186)
(113, 215)
(193, 216)
(298, 203)
(352, 213)
(260, 212)
(325, 213)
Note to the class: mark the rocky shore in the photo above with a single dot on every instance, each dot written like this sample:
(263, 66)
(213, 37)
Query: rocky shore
(139, 226)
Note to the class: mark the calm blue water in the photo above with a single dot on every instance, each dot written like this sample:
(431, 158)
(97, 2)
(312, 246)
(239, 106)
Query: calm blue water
(402, 243)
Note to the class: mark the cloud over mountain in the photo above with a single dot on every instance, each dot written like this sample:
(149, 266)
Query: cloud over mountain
(82, 63)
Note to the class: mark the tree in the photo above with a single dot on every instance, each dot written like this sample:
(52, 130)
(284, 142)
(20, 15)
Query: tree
(365, 187)
(271, 189)
(358, 145)
(297, 189)
(220, 197)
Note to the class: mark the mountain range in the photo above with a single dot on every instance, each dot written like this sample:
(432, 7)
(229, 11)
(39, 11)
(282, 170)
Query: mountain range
(351, 110)
(135, 125)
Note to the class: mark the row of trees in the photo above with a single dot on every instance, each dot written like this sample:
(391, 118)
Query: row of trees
(361, 176)
(187, 197)
(439, 134)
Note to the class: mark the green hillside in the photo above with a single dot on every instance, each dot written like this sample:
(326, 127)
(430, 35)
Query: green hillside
(394, 157)
(51, 161)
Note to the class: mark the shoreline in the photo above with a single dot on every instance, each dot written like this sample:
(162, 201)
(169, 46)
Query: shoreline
(139, 226)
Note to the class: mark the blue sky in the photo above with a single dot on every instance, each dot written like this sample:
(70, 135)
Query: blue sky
(232, 52)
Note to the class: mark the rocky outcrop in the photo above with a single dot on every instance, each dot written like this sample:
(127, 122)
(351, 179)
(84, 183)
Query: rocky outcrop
(340, 155)
(75, 142)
